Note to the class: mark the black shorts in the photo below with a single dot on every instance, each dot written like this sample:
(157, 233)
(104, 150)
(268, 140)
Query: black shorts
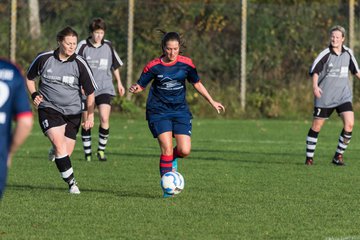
(49, 118)
(101, 99)
(326, 112)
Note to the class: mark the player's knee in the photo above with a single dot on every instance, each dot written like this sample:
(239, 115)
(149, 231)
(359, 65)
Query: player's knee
(184, 152)
(349, 127)
(316, 128)
(104, 120)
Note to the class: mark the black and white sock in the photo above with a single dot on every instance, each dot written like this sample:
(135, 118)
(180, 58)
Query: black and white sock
(66, 171)
(86, 141)
(103, 138)
(344, 140)
(311, 141)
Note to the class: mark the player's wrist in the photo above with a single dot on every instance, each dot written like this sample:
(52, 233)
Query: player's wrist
(34, 95)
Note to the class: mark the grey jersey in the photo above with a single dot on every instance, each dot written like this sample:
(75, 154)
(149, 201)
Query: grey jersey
(61, 81)
(102, 60)
(333, 71)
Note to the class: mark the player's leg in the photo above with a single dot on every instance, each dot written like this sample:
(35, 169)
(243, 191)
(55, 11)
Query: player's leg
(347, 116)
(166, 157)
(162, 130)
(320, 115)
(166, 147)
(182, 132)
(103, 101)
(62, 158)
(86, 139)
(63, 140)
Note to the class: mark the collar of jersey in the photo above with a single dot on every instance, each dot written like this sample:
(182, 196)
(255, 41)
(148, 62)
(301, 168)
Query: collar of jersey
(170, 63)
(90, 44)
(332, 50)
(70, 59)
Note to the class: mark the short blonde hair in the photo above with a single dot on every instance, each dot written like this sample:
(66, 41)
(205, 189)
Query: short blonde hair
(338, 28)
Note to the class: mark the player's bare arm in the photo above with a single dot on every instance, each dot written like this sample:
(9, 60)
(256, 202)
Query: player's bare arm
(89, 121)
(21, 132)
(36, 97)
(120, 87)
(202, 90)
(358, 75)
(316, 89)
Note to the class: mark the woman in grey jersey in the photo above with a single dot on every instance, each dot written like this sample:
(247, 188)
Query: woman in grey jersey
(105, 63)
(332, 91)
(62, 75)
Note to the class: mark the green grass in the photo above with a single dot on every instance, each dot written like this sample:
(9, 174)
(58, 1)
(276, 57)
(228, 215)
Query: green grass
(245, 179)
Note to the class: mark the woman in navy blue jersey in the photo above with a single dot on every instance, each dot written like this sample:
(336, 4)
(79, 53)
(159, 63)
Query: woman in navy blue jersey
(167, 111)
(14, 105)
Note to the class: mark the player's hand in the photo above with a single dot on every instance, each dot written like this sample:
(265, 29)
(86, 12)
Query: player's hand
(121, 90)
(135, 88)
(88, 123)
(37, 100)
(317, 92)
(218, 106)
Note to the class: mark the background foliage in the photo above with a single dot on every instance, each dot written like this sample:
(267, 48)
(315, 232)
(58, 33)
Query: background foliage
(284, 37)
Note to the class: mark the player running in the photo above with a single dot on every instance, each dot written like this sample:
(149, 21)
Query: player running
(332, 91)
(14, 104)
(62, 75)
(167, 111)
(105, 63)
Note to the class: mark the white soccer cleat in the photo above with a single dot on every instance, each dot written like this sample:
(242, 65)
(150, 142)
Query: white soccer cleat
(74, 189)
(51, 154)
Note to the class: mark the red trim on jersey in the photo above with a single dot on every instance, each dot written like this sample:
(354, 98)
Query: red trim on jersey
(152, 63)
(186, 60)
(23, 114)
(179, 58)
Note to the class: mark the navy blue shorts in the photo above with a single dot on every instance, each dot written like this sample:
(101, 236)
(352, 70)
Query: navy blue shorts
(174, 125)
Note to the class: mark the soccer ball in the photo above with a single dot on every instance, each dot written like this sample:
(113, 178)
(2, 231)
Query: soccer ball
(172, 183)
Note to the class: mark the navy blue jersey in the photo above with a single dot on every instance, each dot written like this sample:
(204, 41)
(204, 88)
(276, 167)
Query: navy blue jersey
(14, 104)
(167, 95)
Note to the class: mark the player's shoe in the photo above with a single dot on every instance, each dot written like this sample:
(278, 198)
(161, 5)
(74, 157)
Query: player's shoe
(88, 158)
(51, 154)
(338, 160)
(101, 155)
(74, 189)
(309, 161)
(175, 165)
(166, 195)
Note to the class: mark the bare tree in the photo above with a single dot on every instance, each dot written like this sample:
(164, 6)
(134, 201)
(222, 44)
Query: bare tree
(34, 19)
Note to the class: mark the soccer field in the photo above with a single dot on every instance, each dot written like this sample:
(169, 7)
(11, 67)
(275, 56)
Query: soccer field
(245, 179)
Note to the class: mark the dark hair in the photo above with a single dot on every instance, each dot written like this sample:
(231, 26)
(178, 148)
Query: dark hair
(97, 23)
(68, 31)
(170, 36)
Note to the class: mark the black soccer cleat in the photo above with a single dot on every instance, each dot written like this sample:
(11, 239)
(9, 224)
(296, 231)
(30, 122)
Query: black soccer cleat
(338, 160)
(101, 156)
